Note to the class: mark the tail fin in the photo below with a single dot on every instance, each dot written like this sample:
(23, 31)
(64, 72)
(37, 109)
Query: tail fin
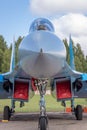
(72, 64)
(12, 63)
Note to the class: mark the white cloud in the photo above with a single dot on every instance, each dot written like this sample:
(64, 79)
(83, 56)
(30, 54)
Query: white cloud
(74, 24)
(49, 7)
(73, 21)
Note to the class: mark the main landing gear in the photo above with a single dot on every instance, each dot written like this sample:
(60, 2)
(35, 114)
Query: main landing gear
(7, 113)
(78, 111)
(43, 120)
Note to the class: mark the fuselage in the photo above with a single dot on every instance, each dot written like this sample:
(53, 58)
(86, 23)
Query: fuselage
(42, 54)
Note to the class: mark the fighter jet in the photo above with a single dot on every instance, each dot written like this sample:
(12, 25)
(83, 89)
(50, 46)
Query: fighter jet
(42, 58)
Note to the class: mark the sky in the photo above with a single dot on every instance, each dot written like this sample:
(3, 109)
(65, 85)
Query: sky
(67, 16)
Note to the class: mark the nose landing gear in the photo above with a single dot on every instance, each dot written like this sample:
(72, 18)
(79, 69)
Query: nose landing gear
(43, 120)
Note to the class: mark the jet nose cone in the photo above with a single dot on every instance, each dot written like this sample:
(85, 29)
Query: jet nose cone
(42, 54)
(42, 65)
(42, 41)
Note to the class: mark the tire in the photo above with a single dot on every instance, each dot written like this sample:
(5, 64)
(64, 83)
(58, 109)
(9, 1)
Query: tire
(7, 113)
(43, 124)
(79, 112)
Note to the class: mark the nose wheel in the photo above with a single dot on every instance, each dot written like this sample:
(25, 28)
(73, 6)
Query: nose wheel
(43, 123)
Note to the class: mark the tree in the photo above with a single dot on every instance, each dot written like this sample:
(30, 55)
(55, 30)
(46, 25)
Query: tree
(3, 47)
(5, 54)
(80, 59)
(6, 61)
(1, 59)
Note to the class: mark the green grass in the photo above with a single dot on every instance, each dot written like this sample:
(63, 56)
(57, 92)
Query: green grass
(33, 104)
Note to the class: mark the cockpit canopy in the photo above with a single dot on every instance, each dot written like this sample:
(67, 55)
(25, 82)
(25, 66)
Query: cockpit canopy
(41, 24)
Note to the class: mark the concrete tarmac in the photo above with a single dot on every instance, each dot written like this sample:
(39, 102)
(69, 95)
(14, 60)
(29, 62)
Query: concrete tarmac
(57, 121)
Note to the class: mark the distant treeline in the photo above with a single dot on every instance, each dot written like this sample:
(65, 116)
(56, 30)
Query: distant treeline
(79, 57)
(5, 55)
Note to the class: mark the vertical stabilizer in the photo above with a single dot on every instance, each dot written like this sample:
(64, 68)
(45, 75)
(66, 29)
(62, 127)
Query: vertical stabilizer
(12, 64)
(72, 63)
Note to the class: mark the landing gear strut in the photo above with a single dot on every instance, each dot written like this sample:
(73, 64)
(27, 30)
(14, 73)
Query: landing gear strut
(43, 120)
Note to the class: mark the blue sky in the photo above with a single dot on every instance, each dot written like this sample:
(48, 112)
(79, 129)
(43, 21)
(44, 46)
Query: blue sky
(15, 18)
(67, 16)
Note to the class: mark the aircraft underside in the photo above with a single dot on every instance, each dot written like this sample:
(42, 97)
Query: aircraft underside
(24, 89)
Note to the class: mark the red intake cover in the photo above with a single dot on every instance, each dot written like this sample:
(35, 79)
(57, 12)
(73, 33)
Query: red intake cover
(21, 90)
(63, 89)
